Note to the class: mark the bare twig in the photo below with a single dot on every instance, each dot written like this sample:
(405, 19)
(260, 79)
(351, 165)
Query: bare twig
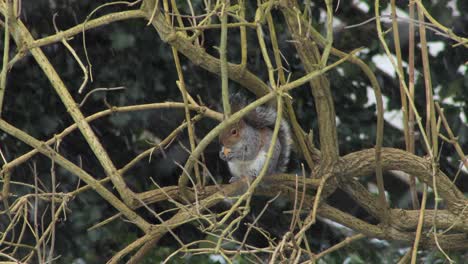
(99, 90)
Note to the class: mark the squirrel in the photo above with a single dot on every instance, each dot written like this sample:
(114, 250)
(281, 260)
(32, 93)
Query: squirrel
(245, 144)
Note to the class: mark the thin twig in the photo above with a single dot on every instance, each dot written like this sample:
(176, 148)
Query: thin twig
(100, 90)
(6, 51)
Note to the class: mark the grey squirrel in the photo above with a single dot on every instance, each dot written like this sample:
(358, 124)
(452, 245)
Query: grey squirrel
(245, 144)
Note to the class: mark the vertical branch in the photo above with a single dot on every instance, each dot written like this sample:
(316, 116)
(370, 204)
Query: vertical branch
(223, 59)
(6, 51)
(431, 130)
(430, 144)
(404, 104)
(400, 74)
(260, 36)
(5, 194)
(378, 157)
(307, 52)
(35, 216)
(411, 133)
(431, 124)
(315, 35)
(194, 20)
(52, 205)
(243, 35)
(378, 167)
(396, 40)
(329, 39)
(276, 50)
(190, 127)
(181, 85)
(414, 254)
(427, 142)
(176, 12)
(296, 127)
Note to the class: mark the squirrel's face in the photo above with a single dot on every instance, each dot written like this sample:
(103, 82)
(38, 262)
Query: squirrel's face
(230, 136)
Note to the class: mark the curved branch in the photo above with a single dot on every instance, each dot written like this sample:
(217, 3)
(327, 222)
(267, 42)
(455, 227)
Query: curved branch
(455, 241)
(199, 56)
(451, 241)
(361, 163)
(94, 23)
(405, 220)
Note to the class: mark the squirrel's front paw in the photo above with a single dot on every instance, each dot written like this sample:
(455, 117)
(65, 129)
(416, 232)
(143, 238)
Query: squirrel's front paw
(234, 179)
(222, 156)
(225, 155)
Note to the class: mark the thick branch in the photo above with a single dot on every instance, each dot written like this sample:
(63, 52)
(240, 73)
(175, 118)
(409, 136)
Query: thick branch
(452, 241)
(405, 220)
(198, 55)
(308, 53)
(407, 234)
(362, 163)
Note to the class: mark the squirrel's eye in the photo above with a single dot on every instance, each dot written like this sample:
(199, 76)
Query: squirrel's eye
(234, 131)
